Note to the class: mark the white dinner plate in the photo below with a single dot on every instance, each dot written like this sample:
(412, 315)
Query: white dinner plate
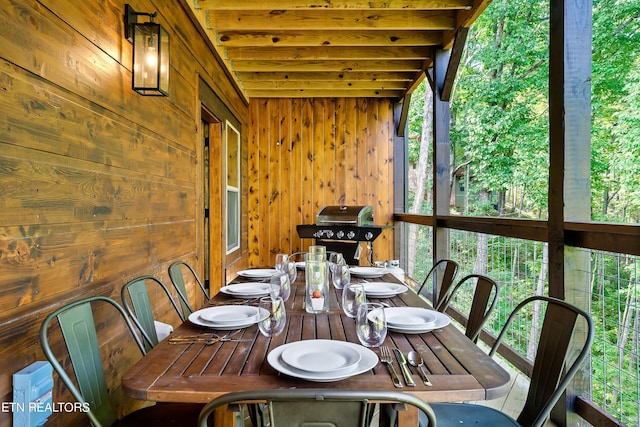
(368, 272)
(229, 314)
(321, 356)
(247, 316)
(441, 320)
(368, 360)
(410, 317)
(383, 289)
(300, 265)
(258, 273)
(246, 290)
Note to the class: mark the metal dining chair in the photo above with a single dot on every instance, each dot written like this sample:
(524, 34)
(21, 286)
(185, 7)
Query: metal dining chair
(137, 303)
(78, 327)
(438, 281)
(317, 407)
(177, 278)
(485, 293)
(550, 375)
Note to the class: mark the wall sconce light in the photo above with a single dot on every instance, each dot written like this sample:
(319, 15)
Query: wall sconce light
(150, 53)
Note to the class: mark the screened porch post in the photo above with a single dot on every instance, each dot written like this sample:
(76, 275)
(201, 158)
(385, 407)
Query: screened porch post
(441, 155)
(570, 157)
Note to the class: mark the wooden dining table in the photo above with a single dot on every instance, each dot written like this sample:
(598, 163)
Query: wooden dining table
(458, 369)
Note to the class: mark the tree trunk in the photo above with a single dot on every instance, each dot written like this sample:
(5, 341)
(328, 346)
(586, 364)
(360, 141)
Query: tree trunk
(482, 249)
(423, 168)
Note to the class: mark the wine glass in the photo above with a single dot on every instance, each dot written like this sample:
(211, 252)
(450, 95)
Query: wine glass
(292, 269)
(282, 261)
(273, 316)
(341, 276)
(335, 258)
(371, 324)
(352, 296)
(279, 285)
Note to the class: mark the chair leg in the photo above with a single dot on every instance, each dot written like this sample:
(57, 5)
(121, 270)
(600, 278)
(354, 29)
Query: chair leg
(257, 415)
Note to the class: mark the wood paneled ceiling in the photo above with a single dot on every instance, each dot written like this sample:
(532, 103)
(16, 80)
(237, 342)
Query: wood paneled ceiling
(332, 48)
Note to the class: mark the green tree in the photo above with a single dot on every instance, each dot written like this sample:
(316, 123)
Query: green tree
(500, 106)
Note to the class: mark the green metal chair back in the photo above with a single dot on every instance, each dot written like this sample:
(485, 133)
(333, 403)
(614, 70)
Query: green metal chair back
(317, 407)
(135, 297)
(79, 331)
(175, 273)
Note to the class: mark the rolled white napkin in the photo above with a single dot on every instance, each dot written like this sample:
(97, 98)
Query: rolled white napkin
(162, 329)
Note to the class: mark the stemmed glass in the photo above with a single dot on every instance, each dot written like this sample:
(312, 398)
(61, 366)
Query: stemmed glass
(352, 296)
(273, 324)
(371, 324)
(279, 285)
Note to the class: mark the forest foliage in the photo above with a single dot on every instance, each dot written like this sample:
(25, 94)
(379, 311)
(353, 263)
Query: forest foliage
(499, 109)
(499, 139)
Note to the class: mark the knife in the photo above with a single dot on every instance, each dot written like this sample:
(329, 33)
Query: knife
(403, 365)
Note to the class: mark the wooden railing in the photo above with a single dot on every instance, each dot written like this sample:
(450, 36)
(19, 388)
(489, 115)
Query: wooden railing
(616, 238)
(623, 238)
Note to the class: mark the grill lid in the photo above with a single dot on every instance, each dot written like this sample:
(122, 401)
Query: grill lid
(354, 215)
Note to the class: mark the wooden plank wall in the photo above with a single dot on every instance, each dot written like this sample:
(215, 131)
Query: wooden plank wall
(304, 154)
(97, 183)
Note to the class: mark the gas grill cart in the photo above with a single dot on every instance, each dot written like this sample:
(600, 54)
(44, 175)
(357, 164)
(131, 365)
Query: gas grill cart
(342, 229)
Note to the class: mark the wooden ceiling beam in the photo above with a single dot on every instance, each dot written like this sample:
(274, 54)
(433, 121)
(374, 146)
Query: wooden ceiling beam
(322, 93)
(327, 53)
(291, 38)
(464, 19)
(454, 63)
(296, 76)
(381, 19)
(345, 66)
(325, 85)
(333, 4)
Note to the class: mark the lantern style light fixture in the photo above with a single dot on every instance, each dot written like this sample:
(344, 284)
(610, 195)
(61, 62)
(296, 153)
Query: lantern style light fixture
(150, 53)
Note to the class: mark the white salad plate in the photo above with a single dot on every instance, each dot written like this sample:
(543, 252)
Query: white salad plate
(368, 360)
(228, 316)
(383, 289)
(368, 272)
(321, 356)
(246, 290)
(414, 320)
(258, 273)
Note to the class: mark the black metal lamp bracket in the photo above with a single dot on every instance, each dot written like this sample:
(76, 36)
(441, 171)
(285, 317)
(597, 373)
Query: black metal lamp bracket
(131, 18)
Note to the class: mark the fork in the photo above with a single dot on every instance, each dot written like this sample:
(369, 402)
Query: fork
(387, 359)
(206, 340)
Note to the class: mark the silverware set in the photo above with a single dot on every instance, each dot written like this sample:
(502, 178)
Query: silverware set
(414, 359)
(247, 301)
(207, 339)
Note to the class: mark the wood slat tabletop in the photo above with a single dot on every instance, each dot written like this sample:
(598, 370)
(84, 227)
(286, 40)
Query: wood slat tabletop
(459, 370)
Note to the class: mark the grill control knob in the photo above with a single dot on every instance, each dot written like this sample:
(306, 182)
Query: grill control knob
(351, 235)
(340, 234)
(369, 235)
(329, 233)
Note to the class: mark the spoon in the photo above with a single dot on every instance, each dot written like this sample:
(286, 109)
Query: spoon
(416, 360)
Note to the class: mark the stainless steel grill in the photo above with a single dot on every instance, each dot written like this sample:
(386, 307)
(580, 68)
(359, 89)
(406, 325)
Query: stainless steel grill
(342, 215)
(342, 229)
